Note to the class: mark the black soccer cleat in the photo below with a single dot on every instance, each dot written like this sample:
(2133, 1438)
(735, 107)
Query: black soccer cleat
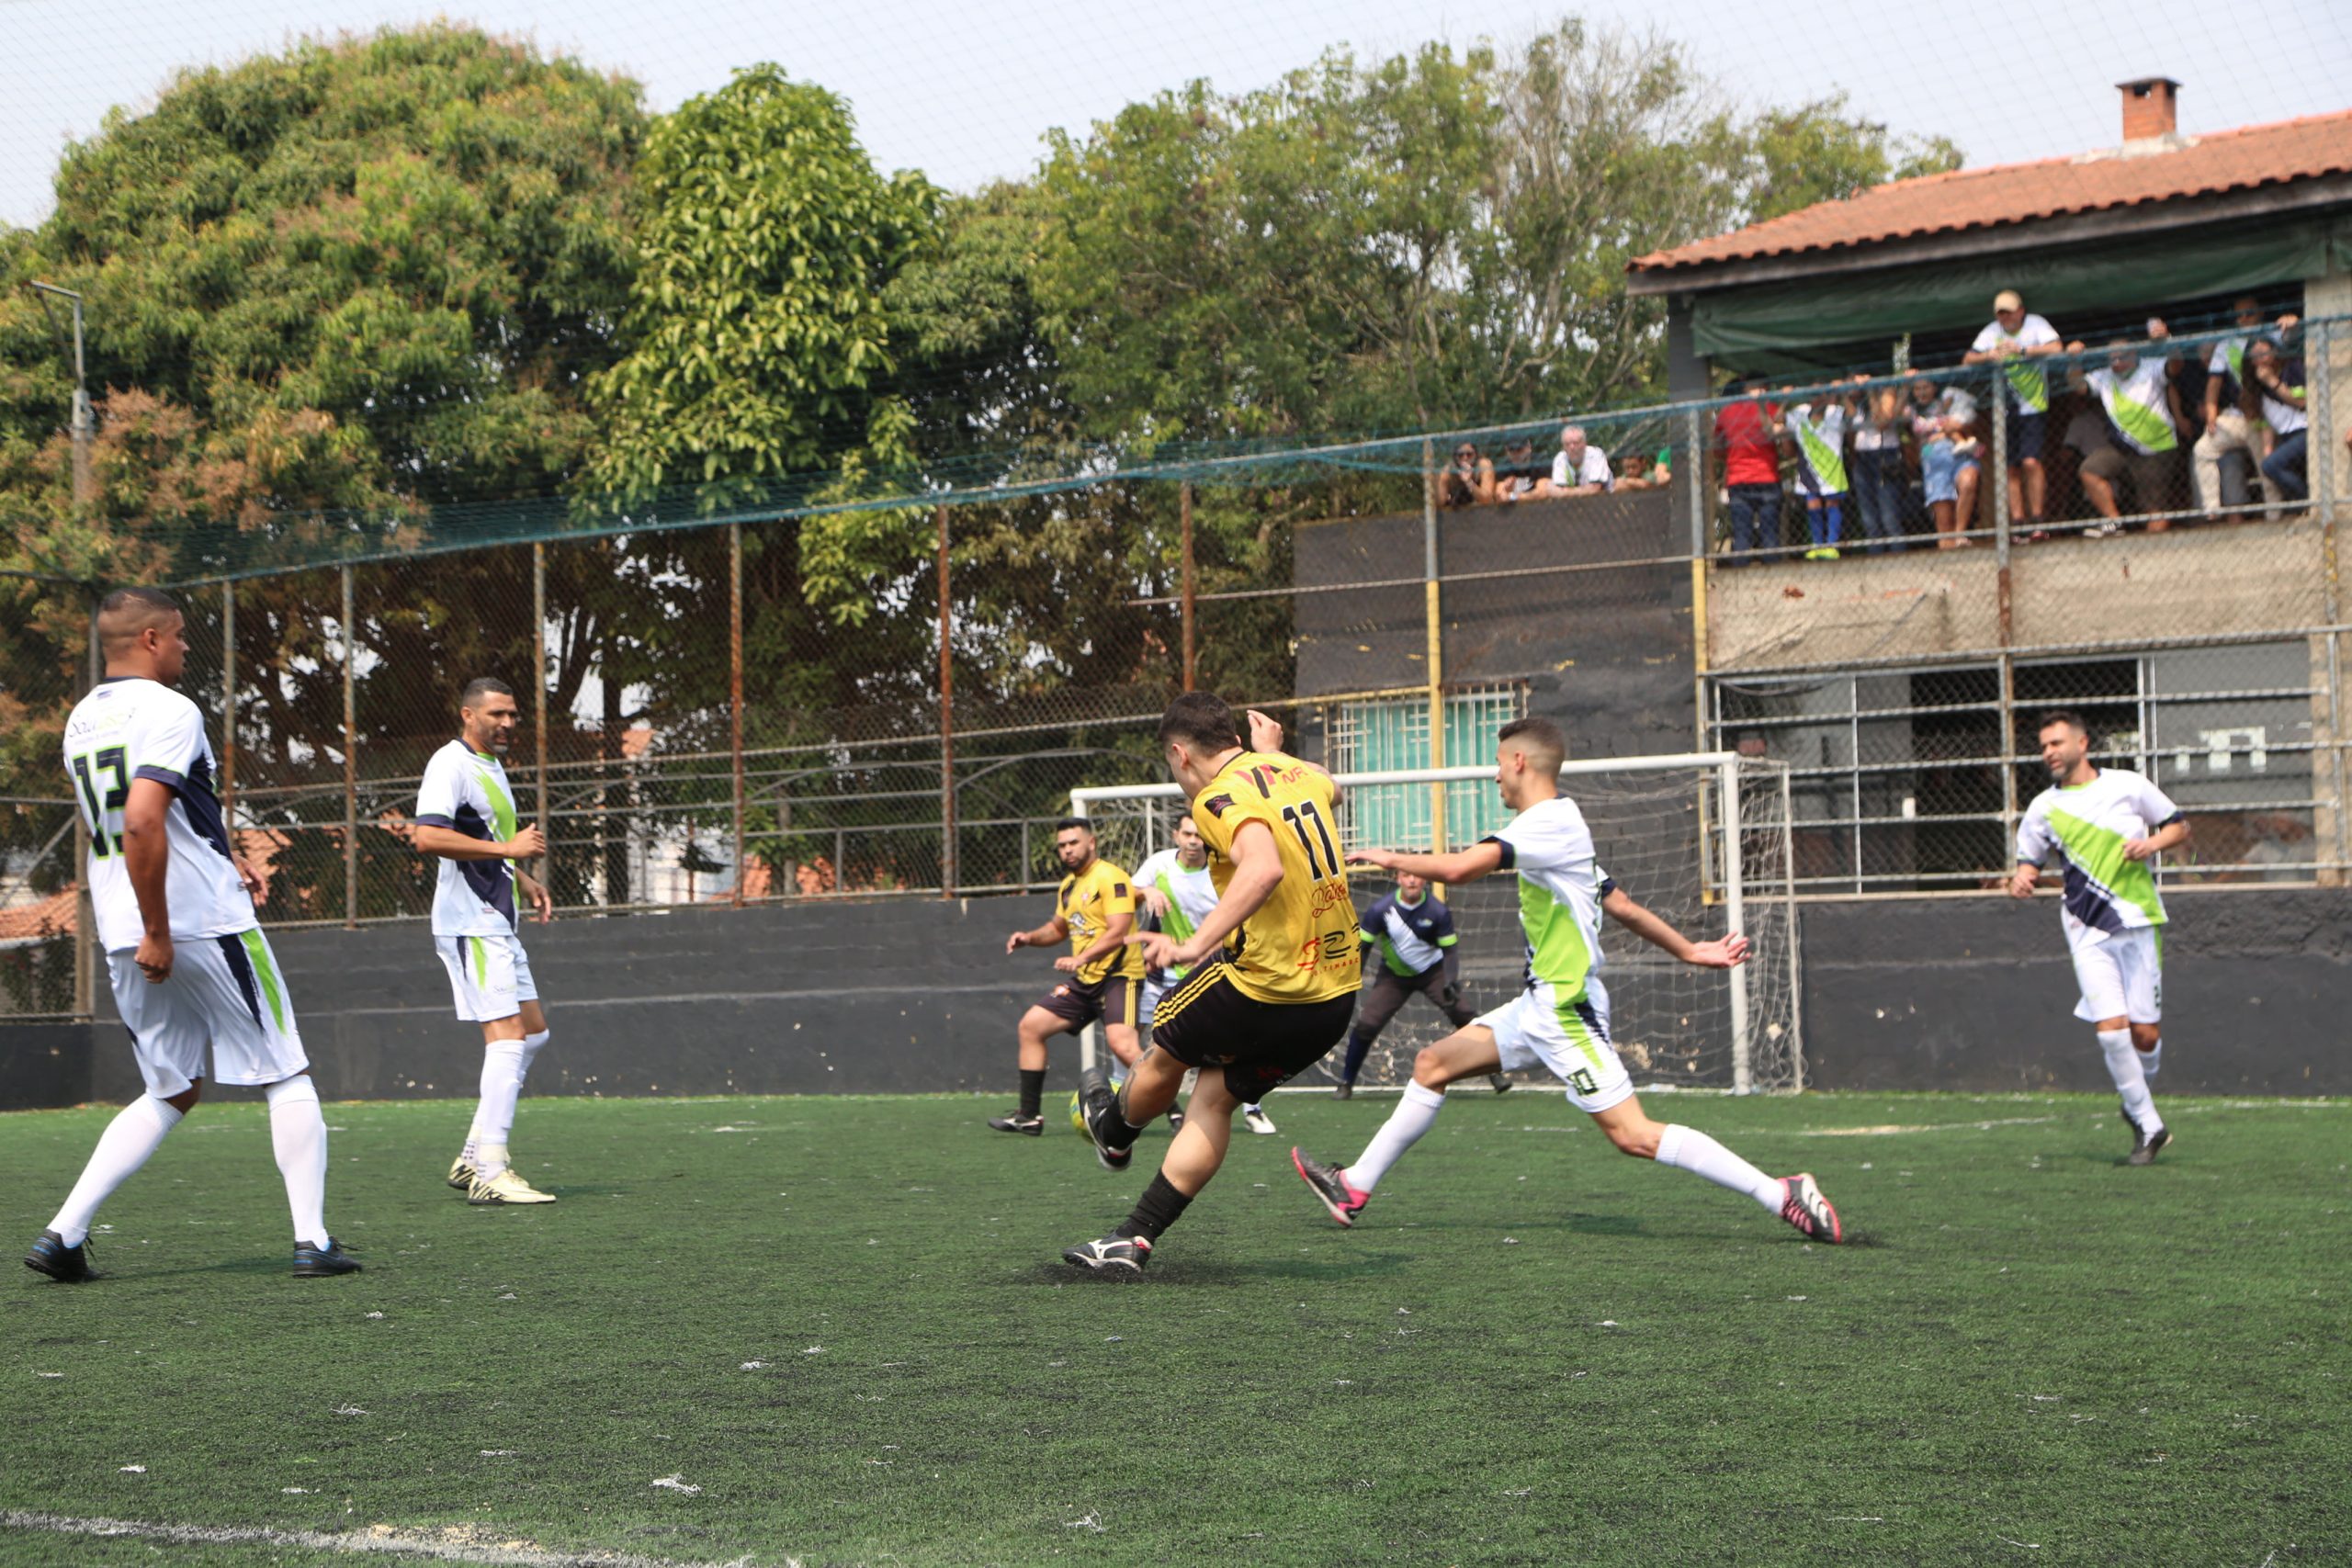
(1098, 1104)
(1345, 1090)
(320, 1262)
(1014, 1121)
(2144, 1145)
(1804, 1207)
(1502, 1083)
(67, 1265)
(1110, 1255)
(1330, 1183)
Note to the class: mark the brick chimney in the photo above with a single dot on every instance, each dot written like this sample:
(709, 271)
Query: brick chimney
(2150, 107)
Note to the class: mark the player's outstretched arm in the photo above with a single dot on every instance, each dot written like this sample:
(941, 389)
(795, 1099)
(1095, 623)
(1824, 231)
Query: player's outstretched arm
(147, 859)
(1462, 865)
(1054, 930)
(1724, 952)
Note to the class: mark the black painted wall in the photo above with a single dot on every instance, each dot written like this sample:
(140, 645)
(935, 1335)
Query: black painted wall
(917, 994)
(1606, 652)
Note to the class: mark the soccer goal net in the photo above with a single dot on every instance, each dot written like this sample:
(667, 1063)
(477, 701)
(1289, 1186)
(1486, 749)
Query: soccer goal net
(1701, 839)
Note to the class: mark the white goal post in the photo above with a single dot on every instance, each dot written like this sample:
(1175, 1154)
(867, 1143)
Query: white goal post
(1701, 838)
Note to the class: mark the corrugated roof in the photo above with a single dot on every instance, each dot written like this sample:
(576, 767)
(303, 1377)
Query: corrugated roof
(2010, 194)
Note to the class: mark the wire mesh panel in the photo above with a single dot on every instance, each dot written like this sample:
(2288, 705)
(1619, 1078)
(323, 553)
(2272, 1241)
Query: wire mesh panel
(1661, 827)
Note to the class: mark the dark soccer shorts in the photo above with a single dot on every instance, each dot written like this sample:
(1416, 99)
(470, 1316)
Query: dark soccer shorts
(1114, 999)
(1208, 1023)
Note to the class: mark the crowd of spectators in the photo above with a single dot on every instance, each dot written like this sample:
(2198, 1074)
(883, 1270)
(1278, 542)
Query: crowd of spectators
(1579, 469)
(2155, 434)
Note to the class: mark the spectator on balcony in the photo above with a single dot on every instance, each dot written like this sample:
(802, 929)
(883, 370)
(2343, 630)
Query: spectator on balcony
(1518, 477)
(1943, 423)
(1579, 468)
(1746, 448)
(1637, 469)
(2227, 427)
(2276, 383)
(1818, 430)
(1876, 467)
(2142, 446)
(2014, 339)
(1468, 480)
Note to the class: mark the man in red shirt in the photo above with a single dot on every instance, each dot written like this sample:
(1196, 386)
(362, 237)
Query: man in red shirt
(1748, 455)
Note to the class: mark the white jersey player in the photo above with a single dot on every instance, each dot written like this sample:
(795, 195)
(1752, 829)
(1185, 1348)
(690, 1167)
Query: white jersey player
(192, 975)
(2108, 824)
(1175, 888)
(1561, 1020)
(465, 817)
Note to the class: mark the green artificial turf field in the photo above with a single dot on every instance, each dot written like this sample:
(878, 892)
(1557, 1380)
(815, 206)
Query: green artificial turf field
(835, 1331)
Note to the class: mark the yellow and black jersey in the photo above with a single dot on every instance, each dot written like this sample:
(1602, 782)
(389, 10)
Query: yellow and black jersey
(1086, 904)
(1302, 945)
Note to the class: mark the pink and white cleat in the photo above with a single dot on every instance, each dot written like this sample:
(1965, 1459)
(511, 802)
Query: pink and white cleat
(1331, 1184)
(1803, 1206)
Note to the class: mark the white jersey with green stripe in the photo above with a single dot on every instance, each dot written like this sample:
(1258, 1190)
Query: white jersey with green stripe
(2106, 892)
(1820, 433)
(1191, 894)
(2138, 406)
(131, 727)
(466, 791)
(2027, 379)
(1561, 885)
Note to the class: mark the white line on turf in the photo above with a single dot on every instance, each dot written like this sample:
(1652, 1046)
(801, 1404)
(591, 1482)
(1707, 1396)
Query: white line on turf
(458, 1544)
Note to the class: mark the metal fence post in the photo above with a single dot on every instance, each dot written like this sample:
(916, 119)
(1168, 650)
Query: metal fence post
(85, 913)
(540, 705)
(228, 707)
(947, 868)
(1184, 534)
(735, 689)
(1699, 540)
(1435, 628)
(2322, 457)
(350, 764)
(2002, 521)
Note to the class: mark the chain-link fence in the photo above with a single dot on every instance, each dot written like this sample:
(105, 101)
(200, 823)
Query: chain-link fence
(749, 709)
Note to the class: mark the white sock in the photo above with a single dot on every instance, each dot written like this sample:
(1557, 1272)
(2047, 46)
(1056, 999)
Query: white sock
(298, 1133)
(136, 1131)
(2151, 1060)
(532, 1045)
(1687, 1149)
(1252, 1108)
(2123, 1067)
(1416, 1112)
(502, 1082)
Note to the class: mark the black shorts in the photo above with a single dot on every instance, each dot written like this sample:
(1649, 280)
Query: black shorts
(1208, 1022)
(1114, 999)
(2025, 435)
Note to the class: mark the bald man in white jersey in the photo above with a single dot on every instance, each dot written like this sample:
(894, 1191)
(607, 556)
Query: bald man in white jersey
(192, 975)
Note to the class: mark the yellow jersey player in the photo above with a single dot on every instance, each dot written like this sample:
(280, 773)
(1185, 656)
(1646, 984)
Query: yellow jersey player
(1102, 974)
(1273, 967)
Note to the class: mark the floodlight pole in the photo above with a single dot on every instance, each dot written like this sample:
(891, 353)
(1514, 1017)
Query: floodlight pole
(83, 426)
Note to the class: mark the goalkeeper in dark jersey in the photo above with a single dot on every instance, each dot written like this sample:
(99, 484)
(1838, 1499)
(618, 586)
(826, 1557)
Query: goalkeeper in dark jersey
(1410, 933)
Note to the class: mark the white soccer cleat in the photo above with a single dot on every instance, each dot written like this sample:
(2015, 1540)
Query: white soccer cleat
(462, 1173)
(506, 1187)
(1258, 1121)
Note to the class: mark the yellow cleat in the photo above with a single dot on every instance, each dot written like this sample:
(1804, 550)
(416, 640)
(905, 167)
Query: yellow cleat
(506, 1187)
(462, 1174)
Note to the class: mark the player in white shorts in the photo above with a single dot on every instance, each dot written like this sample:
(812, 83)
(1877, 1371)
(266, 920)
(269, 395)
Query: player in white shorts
(191, 973)
(2106, 825)
(1175, 888)
(465, 817)
(1561, 1020)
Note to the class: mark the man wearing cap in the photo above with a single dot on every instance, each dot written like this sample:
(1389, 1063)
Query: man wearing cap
(2014, 339)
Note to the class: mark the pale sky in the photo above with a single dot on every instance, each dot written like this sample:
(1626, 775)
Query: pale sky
(964, 89)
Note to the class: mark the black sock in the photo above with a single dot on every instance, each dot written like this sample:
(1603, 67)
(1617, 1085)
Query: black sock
(1032, 1090)
(1161, 1206)
(1358, 1045)
(1120, 1132)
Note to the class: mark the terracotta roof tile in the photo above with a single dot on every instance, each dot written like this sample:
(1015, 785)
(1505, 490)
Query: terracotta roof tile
(2017, 193)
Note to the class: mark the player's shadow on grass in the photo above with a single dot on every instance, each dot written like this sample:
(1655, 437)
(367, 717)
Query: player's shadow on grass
(1199, 1272)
